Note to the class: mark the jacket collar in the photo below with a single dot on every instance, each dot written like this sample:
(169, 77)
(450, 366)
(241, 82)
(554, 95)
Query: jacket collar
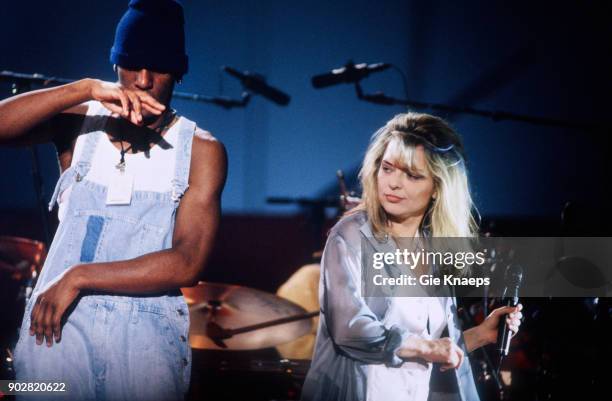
(389, 245)
(386, 245)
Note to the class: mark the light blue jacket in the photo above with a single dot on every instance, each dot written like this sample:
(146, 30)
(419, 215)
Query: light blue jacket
(351, 334)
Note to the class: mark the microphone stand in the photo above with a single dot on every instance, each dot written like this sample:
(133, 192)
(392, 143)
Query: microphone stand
(21, 85)
(21, 80)
(223, 101)
(256, 84)
(498, 115)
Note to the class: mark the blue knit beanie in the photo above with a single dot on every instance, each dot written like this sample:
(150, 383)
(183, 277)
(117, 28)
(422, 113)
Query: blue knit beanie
(151, 35)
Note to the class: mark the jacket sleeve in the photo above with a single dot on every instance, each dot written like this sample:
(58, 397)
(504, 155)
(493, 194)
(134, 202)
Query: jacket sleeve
(354, 329)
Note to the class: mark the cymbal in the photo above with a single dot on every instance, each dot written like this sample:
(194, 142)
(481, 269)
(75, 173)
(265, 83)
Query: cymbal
(218, 312)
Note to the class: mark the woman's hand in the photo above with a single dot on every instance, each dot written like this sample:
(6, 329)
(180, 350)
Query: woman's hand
(442, 350)
(50, 306)
(489, 327)
(125, 102)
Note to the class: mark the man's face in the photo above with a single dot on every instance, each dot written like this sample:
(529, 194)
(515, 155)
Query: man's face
(157, 84)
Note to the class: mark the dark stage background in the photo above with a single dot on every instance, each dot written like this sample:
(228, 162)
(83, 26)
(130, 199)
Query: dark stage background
(546, 59)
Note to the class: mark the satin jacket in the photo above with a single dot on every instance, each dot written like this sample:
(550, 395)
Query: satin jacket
(351, 334)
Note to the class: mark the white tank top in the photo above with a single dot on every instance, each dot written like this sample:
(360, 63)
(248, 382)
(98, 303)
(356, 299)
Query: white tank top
(152, 173)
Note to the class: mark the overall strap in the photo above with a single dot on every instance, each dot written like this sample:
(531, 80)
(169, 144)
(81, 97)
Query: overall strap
(83, 165)
(180, 182)
(93, 128)
(77, 171)
(92, 131)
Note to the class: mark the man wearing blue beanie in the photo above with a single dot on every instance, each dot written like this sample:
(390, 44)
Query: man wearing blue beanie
(139, 206)
(151, 34)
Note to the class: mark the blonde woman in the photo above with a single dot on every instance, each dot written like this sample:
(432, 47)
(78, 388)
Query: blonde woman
(382, 348)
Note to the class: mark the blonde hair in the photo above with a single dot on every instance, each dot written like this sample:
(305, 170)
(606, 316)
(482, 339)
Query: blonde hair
(450, 213)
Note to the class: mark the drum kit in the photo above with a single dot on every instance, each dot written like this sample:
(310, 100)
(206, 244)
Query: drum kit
(233, 334)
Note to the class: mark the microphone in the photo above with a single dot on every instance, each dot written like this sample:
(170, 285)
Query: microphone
(513, 277)
(350, 73)
(257, 84)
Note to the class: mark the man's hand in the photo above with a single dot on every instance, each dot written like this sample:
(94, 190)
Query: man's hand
(127, 103)
(51, 304)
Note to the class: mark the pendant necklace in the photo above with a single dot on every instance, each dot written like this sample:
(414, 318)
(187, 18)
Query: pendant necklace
(168, 120)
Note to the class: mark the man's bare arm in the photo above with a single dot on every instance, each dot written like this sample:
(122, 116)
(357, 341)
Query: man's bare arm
(28, 118)
(195, 228)
(34, 117)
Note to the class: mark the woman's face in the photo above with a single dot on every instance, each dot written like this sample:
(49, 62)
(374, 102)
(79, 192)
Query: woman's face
(404, 193)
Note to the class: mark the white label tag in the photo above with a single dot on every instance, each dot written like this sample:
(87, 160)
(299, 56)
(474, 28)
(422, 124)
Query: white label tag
(120, 189)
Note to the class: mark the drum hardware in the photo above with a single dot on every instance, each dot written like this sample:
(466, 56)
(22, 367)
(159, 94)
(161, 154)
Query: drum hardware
(218, 333)
(232, 317)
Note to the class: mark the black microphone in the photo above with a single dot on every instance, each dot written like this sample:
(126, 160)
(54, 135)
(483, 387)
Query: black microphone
(350, 73)
(513, 277)
(257, 84)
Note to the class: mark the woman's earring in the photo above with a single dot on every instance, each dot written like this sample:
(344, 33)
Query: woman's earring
(115, 67)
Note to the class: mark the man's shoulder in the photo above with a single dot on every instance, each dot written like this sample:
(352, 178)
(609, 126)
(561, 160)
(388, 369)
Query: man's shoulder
(203, 135)
(206, 144)
(208, 157)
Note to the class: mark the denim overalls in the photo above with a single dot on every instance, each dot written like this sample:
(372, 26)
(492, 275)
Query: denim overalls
(113, 347)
